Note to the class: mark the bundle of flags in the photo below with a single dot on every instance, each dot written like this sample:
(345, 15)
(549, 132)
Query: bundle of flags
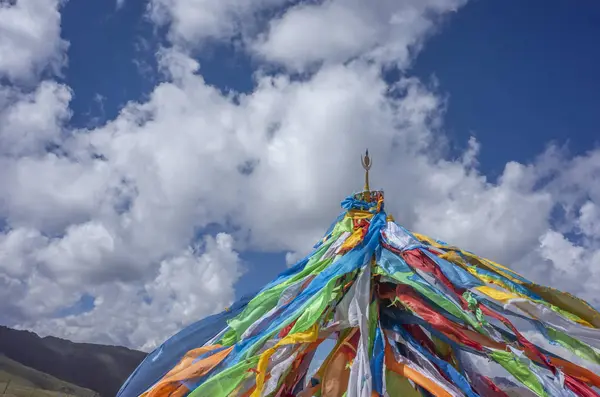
(409, 315)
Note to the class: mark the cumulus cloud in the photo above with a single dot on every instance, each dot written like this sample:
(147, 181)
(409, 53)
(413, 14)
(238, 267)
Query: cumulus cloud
(116, 212)
(30, 39)
(184, 289)
(32, 121)
(336, 31)
(193, 21)
(303, 34)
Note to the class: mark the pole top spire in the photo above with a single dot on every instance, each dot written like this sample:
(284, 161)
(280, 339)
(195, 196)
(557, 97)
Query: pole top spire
(366, 163)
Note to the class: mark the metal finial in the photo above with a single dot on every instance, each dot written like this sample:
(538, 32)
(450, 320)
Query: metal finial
(366, 163)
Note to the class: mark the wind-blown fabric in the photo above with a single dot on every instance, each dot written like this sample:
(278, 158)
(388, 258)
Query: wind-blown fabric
(411, 316)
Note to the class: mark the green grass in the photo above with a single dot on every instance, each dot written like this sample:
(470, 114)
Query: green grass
(20, 381)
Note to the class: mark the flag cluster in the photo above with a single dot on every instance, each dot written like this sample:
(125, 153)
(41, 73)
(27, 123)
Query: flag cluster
(410, 316)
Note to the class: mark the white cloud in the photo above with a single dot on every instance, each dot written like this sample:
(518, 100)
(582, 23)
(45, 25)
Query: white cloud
(292, 258)
(30, 39)
(193, 21)
(307, 33)
(589, 220)
(572, 266)
(126, 195)
(171, 165)
(32, 121)
(335, 31)
(115, 210)
(462, 207)
(51, 192)
(184, 289)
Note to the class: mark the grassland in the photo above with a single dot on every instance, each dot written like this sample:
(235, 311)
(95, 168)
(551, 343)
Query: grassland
(17, 380)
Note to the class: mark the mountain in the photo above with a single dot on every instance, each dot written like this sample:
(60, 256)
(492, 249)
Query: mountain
(100, 368)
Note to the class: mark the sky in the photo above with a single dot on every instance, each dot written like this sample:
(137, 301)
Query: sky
(161, 158)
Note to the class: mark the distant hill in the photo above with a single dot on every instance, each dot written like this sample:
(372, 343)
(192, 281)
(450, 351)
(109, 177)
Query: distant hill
(97, 367)
(20, 381)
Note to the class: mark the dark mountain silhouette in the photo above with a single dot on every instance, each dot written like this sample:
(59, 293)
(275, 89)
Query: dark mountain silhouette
(97, 367)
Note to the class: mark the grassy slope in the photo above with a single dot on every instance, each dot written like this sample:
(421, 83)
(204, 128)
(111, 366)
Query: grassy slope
(19, 380)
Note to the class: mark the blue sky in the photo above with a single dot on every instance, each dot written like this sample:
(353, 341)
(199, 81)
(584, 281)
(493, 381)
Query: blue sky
(518, 77)
(110, 57)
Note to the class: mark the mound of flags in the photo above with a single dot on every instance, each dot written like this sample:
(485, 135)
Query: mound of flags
(409, 315)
